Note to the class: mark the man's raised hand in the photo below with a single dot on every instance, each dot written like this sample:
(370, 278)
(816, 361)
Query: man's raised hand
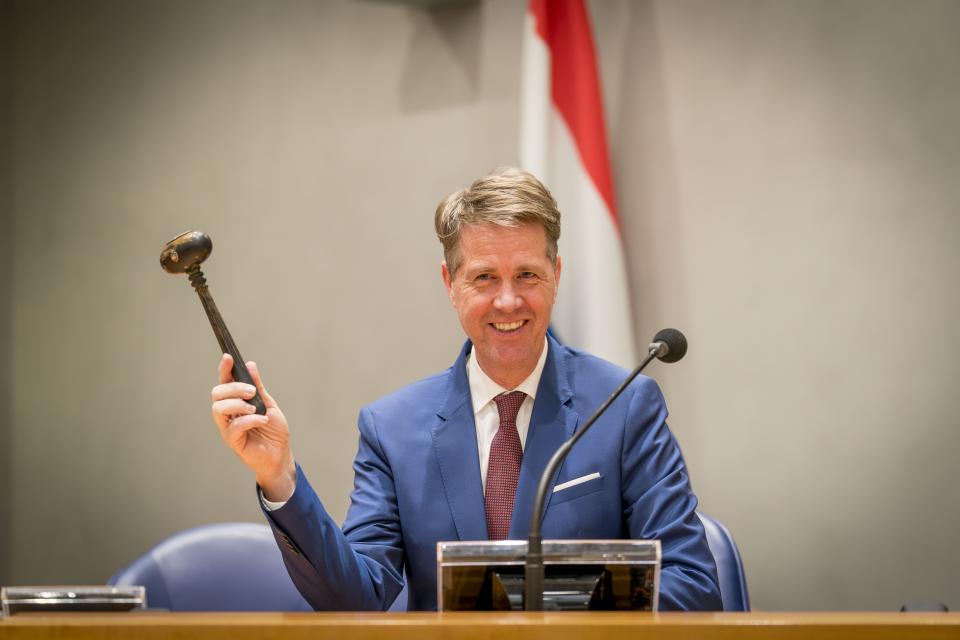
(262, 442)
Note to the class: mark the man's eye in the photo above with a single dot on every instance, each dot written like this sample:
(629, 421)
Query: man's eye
(527, 275)
(483, 277)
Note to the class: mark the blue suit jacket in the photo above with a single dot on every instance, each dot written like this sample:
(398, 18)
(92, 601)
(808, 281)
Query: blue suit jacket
(418, 481)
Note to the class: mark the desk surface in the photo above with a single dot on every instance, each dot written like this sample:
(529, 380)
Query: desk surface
(485, 626)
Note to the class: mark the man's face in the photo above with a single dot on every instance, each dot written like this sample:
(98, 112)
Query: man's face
(503, 291)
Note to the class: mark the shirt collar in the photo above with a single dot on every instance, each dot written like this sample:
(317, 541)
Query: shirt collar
(483, 389)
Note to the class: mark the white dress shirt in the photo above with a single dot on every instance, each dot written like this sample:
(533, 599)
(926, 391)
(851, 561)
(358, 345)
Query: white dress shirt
(485, 414)
(483, 390)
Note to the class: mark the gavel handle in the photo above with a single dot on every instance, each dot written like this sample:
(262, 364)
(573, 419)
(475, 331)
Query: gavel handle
(227, 345)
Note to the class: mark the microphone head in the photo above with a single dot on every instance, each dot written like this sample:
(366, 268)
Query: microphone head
(675, 343)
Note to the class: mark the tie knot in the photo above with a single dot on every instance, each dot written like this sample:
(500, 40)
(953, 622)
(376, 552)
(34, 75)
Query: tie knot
(508, 405)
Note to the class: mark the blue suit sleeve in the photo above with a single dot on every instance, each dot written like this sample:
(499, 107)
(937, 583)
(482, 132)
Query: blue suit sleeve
(659, 504)
(359, 567)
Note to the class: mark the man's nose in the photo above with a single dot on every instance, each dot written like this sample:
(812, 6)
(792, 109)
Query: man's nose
(507, 298)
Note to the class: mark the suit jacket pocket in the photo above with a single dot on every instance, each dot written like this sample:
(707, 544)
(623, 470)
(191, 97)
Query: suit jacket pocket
(577, 491)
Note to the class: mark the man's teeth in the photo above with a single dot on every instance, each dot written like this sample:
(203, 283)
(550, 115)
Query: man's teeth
(508, 326)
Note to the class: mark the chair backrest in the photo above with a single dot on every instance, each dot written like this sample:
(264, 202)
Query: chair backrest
(238, 567)
(733, 582)
(219, 567)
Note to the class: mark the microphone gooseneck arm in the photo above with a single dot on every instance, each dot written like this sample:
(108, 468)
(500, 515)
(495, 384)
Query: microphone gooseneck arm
(661, 348)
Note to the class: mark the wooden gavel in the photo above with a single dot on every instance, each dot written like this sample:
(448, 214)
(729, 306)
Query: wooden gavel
(184, 254)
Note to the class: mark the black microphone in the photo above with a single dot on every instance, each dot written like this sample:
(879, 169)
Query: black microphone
(669, 345)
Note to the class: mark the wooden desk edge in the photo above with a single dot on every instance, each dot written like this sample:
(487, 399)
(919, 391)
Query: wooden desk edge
(483, 626)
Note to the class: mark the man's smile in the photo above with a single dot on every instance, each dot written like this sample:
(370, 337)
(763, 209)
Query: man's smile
(508, 327)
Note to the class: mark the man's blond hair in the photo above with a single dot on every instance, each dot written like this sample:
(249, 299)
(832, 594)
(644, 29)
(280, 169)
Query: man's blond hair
(506, 197)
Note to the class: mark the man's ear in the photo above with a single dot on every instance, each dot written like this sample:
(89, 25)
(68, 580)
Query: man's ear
(556, 278)
(447, 280)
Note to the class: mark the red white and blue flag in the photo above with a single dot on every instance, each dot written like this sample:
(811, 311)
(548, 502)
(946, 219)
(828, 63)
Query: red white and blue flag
(563, 142)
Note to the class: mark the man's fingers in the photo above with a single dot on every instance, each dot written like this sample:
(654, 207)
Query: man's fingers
(255, 374)
(232, 390)
(239, 425)
(231, 408)
(225, 369)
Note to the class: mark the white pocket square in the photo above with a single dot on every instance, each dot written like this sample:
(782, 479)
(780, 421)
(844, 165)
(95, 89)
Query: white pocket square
(576, 481)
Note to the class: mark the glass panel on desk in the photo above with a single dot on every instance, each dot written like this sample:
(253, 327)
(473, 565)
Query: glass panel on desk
(71, 598)
(578, 575)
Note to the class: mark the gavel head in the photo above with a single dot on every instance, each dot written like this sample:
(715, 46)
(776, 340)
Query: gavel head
(185, 251)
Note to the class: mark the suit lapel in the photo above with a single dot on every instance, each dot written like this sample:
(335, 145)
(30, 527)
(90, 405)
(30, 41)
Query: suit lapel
(455, 444)
(551, 424)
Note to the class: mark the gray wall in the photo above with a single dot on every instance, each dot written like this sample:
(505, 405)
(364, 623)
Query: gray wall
(789, 170)
(784, 174)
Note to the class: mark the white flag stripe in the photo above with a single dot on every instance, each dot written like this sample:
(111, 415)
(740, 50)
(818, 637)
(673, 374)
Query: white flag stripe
(593, 307)
(534, 102)
(593, 310)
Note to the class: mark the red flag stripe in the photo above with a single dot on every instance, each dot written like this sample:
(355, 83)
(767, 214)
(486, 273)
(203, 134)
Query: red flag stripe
(575, 87)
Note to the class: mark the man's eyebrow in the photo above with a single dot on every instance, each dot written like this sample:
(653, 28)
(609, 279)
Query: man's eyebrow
(476, 267)
(531, 267)
(480, 267)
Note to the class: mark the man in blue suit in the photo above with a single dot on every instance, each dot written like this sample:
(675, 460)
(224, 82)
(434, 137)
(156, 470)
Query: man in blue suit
(457, 456)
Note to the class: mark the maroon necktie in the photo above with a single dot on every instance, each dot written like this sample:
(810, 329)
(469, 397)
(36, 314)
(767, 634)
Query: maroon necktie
(503, 467)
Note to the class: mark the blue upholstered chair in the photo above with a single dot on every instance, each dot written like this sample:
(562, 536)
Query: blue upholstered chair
(733, 582)
(218, 567)
(237, 567)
